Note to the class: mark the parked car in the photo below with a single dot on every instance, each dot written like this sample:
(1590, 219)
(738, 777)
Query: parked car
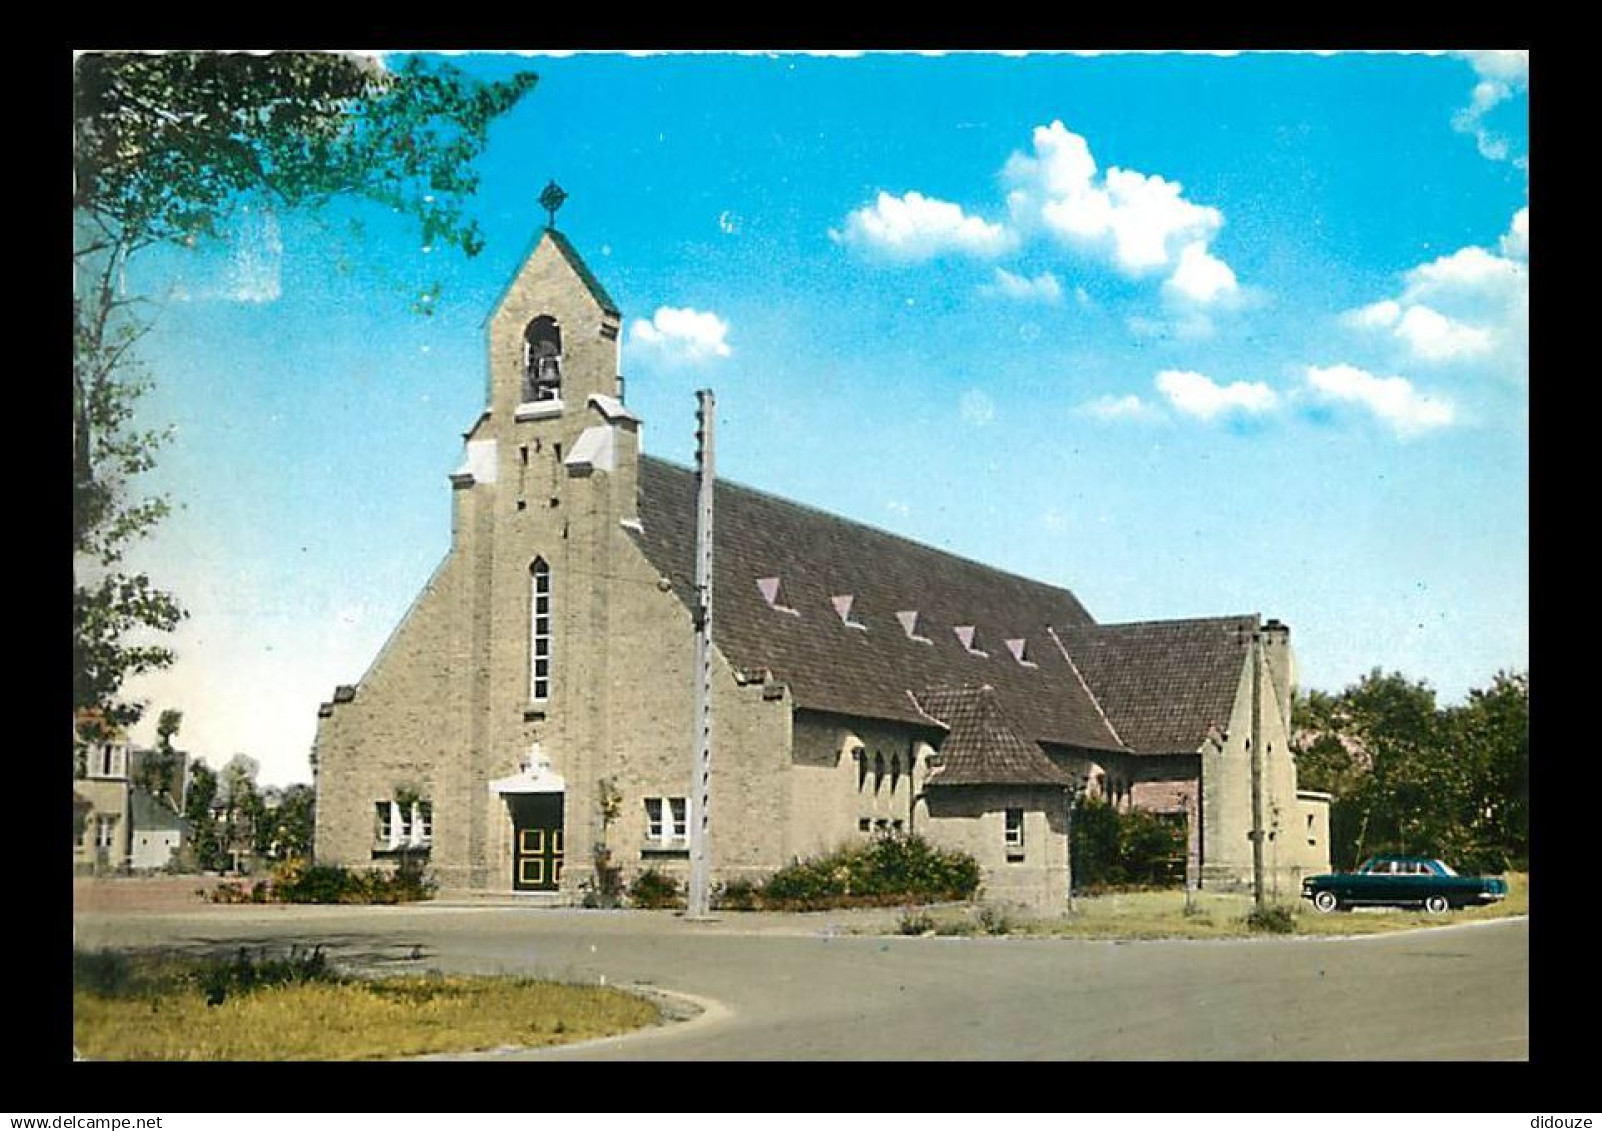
(1403, 881)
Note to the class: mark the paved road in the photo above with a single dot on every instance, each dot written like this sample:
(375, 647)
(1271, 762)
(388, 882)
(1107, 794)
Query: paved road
(792, 989)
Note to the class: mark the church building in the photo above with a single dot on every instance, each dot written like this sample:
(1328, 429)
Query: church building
(536, 701)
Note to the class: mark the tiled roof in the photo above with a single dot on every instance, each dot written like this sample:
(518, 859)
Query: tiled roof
(1162, 684)
(831, 666)
(981, 746)
(151, 812)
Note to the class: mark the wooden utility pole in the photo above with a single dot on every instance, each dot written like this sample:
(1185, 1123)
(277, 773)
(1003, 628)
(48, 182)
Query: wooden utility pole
(1259, 891)
(701, 781)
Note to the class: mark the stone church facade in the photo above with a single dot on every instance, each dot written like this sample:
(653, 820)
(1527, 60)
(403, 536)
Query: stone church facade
(862, 683)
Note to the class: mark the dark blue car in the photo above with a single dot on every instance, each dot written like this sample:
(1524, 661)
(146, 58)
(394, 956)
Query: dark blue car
(1404, 881)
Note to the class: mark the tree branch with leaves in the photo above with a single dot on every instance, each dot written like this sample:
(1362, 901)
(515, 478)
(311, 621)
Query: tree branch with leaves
(167, 146)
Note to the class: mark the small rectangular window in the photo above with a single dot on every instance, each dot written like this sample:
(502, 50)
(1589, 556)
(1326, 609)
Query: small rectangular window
(405, 823)
(678, 809)
(425, 822)
(653, 818)
(1015, 832)
(383, 822)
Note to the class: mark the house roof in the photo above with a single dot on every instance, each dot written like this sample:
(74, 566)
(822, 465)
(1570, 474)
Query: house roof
(981, 746)
(867, 672)
(147, 811)
(1163, 684)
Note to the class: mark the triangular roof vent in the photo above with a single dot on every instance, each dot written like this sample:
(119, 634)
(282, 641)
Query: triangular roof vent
(912, 623)
(969, 635)
(1020, 652)
(842, 605)
(769, 587)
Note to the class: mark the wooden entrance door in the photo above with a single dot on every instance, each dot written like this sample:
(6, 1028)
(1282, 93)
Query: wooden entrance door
(536, 841)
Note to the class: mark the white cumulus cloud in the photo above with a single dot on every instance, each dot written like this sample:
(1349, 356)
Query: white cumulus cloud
(1042, 288)
(1201, 276)
(1392, 400)
(1470, 306)
(1375, 316)
(680, 336)
(1501, 74)
(1435, 337)
(1140, 223)
(1198, 395)
(1516, 243)
(1114, 408)
(913, 228)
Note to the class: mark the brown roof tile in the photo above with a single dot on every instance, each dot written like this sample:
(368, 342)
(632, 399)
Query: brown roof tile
(982, 747)
(1162, 684)
(830, 666)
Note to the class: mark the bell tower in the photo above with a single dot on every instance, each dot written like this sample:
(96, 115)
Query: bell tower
(544, 500)
(553, 340)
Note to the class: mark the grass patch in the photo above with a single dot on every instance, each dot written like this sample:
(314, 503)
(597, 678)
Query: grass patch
(167, 1007)
(1213, 915)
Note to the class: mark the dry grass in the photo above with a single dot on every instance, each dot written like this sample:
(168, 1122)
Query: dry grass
(1161, 915)
(354, 1020)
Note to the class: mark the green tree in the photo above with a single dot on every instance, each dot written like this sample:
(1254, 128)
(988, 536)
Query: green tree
(166, 147)
(158, 771)
(204, 836)
(243, 809)
(1409, 776)
(1490, 735)
(291, 824)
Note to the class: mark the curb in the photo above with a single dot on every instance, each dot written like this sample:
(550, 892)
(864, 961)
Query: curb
(681, 1013)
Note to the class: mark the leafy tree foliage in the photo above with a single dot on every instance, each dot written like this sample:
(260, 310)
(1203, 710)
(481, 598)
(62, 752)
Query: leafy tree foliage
(1410, 776)
(204, 836)
(290, 825)
(1114, 848)
(166, 148)
(160, 771)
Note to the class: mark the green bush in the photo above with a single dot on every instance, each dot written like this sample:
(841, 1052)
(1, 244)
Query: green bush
(1125, 848)
(736, 895)
(892, 868)
(1273, 918)
(297, 880)
(655, 890)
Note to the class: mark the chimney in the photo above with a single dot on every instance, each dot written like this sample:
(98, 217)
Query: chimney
(1280, 665)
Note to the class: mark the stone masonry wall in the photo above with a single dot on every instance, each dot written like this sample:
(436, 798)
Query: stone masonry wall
(973, 820)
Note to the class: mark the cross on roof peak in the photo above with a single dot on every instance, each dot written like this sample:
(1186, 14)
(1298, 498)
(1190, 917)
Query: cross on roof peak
(551, 199)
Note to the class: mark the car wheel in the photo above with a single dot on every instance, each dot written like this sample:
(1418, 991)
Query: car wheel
(1326, 902)
(1436, 905)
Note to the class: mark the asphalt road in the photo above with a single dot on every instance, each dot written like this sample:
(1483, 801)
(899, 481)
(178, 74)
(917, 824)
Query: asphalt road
(791, 988)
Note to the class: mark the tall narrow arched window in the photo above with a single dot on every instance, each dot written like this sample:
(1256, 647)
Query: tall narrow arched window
(542, 360)
(539, 667)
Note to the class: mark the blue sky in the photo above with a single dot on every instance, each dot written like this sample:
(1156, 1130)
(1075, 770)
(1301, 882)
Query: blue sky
(1191, 335)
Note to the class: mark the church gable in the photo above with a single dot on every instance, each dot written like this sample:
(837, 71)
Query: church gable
(553, 336)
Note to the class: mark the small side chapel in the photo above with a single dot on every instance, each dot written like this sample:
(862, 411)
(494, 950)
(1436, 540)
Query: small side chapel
(863, 683)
